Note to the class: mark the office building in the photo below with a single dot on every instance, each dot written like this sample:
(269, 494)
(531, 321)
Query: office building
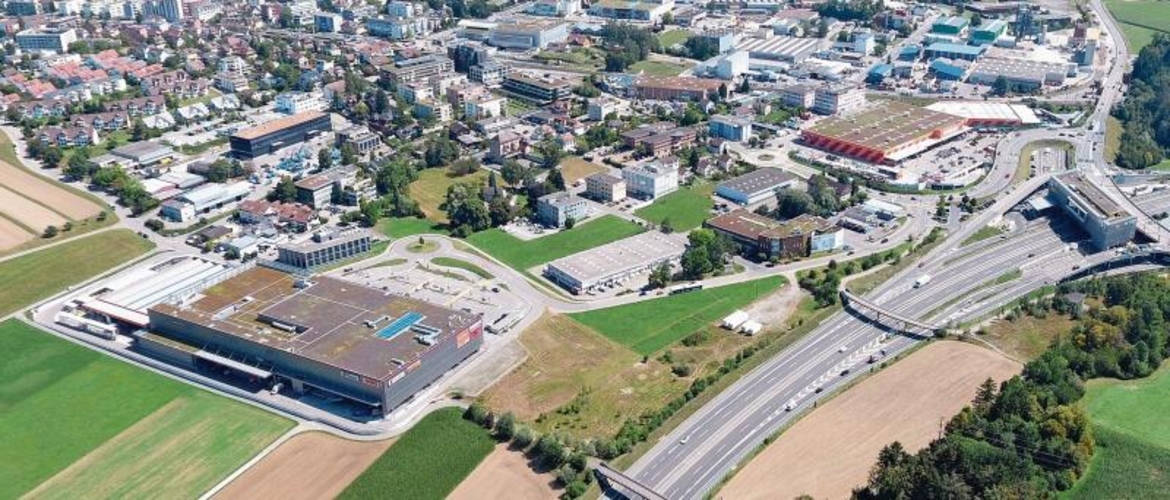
(418, 69)
(293, 103)
(841, 99)
(650, 181)
(730, 127)
(605, 188)
(538, 90)
(325, 247)
(764, 238)
(46, 40)
(552, 210)
(271, 136)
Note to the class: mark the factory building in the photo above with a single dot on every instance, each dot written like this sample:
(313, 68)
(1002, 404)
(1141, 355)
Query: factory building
(276, 134)
(635, 10)
(1106, 222)
(886, 132)
(614, 264)
(325, 248)
(1020, 74)
(988, 32)
(675, 88)
(323, 336)
(756, 186)
(780, 48)
(955, 51)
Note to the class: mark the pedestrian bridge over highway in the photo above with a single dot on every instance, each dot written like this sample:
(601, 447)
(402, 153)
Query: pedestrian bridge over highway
(614, 481)
(887, 318)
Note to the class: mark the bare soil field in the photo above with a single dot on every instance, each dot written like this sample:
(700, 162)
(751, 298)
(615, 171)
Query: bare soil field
(27, 212)
(830, 451)
(505, 474)
(309, 466)
(12, 235)
(27, 184)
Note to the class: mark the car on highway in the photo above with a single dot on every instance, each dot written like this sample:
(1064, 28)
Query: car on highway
(684, 439)
(843, 348)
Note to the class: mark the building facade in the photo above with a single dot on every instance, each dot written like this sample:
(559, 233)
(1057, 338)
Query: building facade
(268, 137)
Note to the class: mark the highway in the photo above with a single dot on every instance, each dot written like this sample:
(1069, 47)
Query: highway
(692, 459)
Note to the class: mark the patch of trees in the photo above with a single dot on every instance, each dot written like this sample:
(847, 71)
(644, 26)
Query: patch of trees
(702, 47)
(846, 10)
(566, 456)
(706, 253)
(130, 192)
(1031, 438)
(223, 169)
(626, 44)
(462, 9)
(1145, 112)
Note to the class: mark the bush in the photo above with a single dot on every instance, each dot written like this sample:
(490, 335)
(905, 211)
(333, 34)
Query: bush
(506, 426)
(154, 225)
(574, 489)
(50, 232)
(681, 370)
(524, 437)
(549, 451)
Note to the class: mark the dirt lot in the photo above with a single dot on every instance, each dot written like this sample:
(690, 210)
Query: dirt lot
(505, 474)
(831, 451)
(12, 235)
(68, 204)
(309, 466)
(574, 168)
(27, 212)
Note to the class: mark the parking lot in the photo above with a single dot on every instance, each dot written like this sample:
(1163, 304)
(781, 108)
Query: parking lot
(445, 286)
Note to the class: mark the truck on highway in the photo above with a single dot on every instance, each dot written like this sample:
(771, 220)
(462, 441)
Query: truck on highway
(922, 281)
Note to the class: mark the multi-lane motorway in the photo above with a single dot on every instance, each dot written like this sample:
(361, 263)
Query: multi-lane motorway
(691, 460)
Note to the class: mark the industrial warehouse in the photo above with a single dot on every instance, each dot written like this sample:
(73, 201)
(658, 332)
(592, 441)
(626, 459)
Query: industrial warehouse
(320, 336)
(615, 263)
(887, 132)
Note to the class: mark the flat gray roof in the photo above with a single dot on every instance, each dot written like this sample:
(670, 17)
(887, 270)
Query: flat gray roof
(763, 179)
(614, 258)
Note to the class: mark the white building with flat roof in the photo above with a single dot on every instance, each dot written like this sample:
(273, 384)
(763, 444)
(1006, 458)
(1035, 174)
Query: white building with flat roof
(650, 181)
(615, 264)
(291, 103)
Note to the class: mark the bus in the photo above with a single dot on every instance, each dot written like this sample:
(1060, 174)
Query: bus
(684, 288)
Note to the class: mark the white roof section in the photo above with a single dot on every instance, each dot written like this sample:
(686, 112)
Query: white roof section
(882, 206)
(128, 296)
(735, 319)
(621, 256)
(779, 46)
(981, 110)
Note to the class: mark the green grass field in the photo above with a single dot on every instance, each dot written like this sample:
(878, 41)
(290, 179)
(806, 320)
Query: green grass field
(401, 227)
(983, 233)
(96, 427)
(523, 255)
(648, 326)
(668, 38)
(1132, 459)
(462, 264)
(687, 208)
(427, 462)
(430, 190)
(46, 272)
(1140, 20)
(659, 68)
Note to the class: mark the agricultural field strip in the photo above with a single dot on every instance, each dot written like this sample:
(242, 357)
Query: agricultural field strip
(70, 205)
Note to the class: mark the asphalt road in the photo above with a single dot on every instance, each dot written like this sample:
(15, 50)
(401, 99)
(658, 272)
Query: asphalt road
(691, 460)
